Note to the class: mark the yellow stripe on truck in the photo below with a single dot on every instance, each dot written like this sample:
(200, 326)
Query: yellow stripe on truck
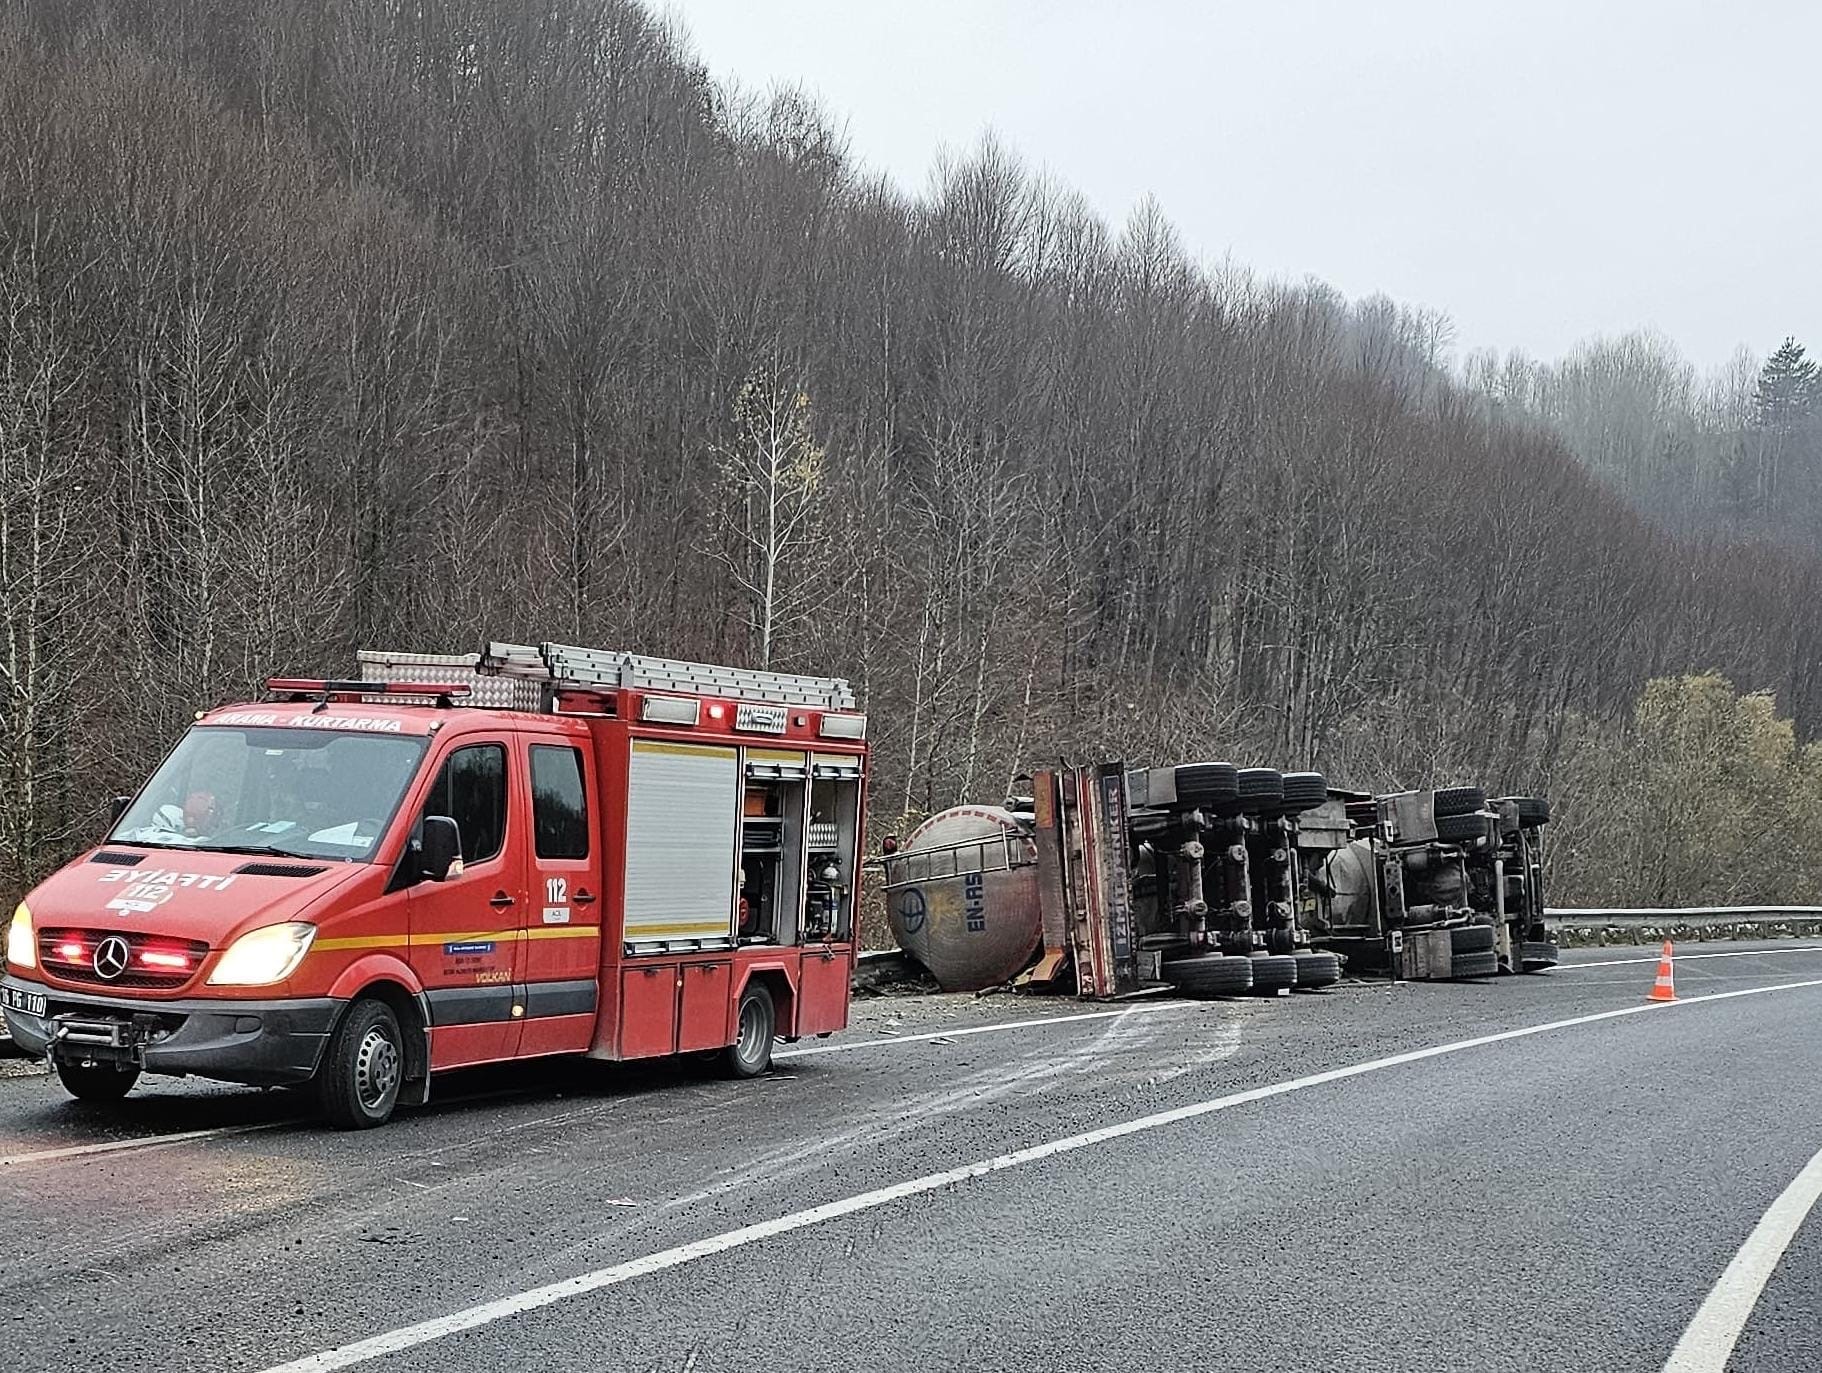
(645, 933)
(775, 755)
(685, 750)
(424, 941)
(361, 941)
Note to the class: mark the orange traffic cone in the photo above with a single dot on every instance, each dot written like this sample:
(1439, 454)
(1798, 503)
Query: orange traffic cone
(1664, 989)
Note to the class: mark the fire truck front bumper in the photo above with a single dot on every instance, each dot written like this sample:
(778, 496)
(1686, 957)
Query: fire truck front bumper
(260, 1043)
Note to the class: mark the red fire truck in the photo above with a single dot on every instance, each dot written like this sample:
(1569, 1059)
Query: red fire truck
(457, 860)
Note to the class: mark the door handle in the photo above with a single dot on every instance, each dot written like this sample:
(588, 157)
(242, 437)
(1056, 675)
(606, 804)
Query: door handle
(584, 898)
(500, 901)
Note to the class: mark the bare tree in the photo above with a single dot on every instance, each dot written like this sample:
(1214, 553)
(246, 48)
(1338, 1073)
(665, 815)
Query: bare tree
(771, 482)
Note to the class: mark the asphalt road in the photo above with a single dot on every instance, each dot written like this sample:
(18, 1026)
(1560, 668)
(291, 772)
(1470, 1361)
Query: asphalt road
(1265, 1190)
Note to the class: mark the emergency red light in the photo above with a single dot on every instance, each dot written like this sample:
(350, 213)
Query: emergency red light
(74, 953)
(155, 958)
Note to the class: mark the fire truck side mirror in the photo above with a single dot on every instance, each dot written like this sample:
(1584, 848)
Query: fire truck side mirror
(439, 847)
(117, 807)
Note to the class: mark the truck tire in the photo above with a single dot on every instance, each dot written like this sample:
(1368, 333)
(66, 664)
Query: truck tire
(756, 1022)
(1535, 955)
(1304, 791)
(96, 1081)
(1209, 974)
(1261, 790)
(1274, 973)
(1206, 784)
(1532, 810)
(1472, 939)
(1484, 964)
(1458, 801)
(357, 1084)
(1317, 970)
(1460, 829)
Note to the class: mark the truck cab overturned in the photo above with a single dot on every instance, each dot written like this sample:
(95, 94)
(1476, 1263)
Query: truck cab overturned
(459, 860)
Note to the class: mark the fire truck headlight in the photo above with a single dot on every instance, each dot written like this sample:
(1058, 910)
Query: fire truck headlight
(21, 940)
(262, 956)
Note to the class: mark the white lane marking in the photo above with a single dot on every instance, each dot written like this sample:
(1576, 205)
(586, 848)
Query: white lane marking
(223, 1131)
(982, 1029)
(1711, 1336)
(153, 1142)
(411, 1336)
(1687, 957)
(149, 1142)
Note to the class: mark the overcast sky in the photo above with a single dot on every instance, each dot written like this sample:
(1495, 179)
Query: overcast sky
(1541, 171)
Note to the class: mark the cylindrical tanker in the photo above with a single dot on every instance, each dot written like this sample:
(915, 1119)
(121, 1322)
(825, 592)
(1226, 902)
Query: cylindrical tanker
(962, 896)
(1349, 875)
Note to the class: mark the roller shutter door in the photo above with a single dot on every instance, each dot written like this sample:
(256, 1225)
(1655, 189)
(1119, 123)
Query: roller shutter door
(682, 826)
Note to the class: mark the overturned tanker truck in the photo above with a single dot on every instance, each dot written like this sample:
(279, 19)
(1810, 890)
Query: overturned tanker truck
(1427, 885)
(1218, 880)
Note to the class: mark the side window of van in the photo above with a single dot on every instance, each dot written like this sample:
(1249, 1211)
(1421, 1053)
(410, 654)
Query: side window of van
(471, 790)
(559, 806)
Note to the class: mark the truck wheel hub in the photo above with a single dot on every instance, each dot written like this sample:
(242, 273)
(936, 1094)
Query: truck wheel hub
(376, 1068)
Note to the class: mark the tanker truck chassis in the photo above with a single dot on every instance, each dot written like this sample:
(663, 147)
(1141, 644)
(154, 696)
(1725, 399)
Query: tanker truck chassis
(1218, 880)
(1125, 882)
(1427, 885)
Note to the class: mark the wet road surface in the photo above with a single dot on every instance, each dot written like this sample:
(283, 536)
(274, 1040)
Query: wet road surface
(1369, 1177)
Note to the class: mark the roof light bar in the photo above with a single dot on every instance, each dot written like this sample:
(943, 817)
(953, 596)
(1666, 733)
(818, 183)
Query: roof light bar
(318, 686)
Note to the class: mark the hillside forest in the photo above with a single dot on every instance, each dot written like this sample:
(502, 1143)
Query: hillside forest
(372, 324)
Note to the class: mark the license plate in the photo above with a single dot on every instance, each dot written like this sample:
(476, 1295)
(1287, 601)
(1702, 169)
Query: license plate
(32, 1003)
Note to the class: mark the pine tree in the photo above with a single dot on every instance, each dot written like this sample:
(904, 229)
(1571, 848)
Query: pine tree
(1789, 391)
(1786, 417)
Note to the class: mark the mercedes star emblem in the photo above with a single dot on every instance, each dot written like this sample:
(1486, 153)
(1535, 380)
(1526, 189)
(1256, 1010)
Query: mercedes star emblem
(111, 957)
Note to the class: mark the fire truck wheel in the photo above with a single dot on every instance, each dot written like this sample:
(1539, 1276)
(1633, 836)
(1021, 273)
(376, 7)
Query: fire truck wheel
(357, 1085)
(1474, 965)
(1209, 974)
(1538, 954)
(1472, 939)
(1274, 973)
(1317, 970)
(751, 1053)
(96, 1081)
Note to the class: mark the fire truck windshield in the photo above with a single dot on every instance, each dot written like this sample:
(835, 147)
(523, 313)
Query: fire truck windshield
(302, 793)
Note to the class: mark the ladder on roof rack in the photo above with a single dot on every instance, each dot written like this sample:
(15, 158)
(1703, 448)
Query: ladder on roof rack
(568, 665)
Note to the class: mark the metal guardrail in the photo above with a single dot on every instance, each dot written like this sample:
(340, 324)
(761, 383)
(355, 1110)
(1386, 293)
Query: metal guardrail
(1591, 926)
(1628, 915)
